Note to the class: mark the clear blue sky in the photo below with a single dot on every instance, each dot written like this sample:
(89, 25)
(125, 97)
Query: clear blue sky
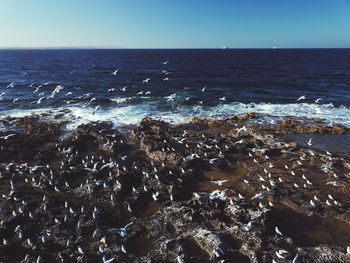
(175, 23)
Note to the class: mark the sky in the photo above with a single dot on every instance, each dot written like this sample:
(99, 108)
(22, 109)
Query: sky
(175, 23)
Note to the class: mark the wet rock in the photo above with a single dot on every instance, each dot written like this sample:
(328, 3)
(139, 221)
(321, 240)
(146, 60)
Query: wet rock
(200, 191)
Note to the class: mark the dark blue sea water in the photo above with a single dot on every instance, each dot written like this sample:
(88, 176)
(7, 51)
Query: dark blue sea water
(236, 81)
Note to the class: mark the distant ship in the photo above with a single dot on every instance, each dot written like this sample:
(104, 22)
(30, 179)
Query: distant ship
(224, 47)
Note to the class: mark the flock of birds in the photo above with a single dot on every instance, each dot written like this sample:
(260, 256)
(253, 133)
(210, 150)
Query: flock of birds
(71, 97)
(269, 179)
(209, 149)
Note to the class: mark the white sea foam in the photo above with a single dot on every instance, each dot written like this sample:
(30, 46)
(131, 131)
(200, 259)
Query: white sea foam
(132, 114)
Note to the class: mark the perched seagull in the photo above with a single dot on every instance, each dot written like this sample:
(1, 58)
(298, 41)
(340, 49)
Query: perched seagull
(123, 249)
(80, 250)
(121, 231)
(279, 255)
(244, 128)
(180, 260)
(278, 231)
(295, 260)
(301, 98)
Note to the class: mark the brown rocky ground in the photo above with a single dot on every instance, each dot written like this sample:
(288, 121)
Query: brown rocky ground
(205, 191)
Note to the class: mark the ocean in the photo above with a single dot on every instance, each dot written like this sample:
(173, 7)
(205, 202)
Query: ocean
(182, 83)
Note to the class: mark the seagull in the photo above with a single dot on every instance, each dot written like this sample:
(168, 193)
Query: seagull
(219, 182)
(80, 250)
(218, 251)
(107, 260)
(295, 260)
(259, 196)
(146, 80)
(11, 85)
(318, 100)
(7, 136)
(312, 203)
(165, 62)
(121, 231)
(309, 142)
(179, 259)
(334, 183)
(278, 231)
(223, 98)
(279, 255)
(240, 196)
(244, 128)
(96, 108)
(204, 89)
(115, 72)
(238, 142)
(155, 196)
(123, 249)
(301, 98)
(110, 90)
(248, 226)
(40, 99)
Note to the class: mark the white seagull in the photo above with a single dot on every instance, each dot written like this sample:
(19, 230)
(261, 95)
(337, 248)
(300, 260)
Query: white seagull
(301, 98)
(121, 231)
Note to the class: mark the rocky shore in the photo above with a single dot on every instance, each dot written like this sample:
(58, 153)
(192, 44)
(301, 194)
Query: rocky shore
(209, 190)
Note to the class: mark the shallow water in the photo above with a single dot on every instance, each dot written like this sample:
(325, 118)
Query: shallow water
(334, 143)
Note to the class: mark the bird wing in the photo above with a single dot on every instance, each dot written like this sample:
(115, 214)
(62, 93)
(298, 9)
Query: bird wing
(128, 225)
(115, 230)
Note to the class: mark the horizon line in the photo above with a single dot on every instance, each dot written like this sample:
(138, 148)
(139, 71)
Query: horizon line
(117, 47)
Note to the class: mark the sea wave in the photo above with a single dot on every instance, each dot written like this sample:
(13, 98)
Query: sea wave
(125, 114)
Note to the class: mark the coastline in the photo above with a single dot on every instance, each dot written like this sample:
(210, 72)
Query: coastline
(165, 178)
